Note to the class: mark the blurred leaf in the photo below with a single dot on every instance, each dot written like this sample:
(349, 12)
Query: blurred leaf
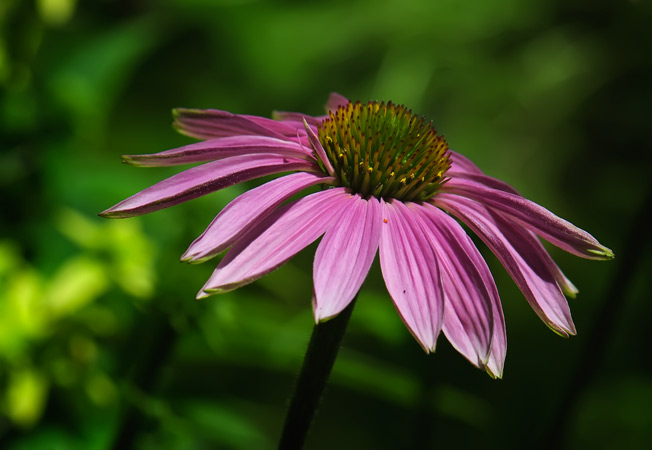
(25, 314)
(101, 390)
(132, 252)
(56, 12)
(26, 396)
(78, 281)
(80, 229)
(134, 257)
(9, 257)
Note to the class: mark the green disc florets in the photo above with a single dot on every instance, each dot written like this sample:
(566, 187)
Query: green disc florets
(384, 150)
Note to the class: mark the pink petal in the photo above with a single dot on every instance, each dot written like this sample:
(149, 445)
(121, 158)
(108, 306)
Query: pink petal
(202, 180)
(335, 100)
(220, 148)
(567, 287)
(213, 123)
(460, 163)
(481, 179)
(496, 362)
(534, 217)
(344, 256)
(295, 118)
(319, 149)
(468, 285)
(523, 260)
(246, 211)
(411, 273)
(276, 239)
(498, 348)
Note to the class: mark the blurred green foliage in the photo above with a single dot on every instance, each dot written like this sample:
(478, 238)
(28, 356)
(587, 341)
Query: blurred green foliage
(101, 343)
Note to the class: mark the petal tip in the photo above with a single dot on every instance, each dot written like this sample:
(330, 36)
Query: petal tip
(176, 112)
(603, 253)
(112, 213)
(133, 160)
(203, 294)
(492, 374)
(563, 332)
(191, 258)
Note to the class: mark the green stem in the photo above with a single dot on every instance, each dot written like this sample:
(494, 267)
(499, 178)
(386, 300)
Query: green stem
(320, 357)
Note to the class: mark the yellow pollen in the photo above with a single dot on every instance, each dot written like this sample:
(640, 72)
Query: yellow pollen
(390, 144)
(385, 220)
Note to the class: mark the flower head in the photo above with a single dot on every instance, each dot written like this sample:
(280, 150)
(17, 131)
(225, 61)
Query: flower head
(390, 185)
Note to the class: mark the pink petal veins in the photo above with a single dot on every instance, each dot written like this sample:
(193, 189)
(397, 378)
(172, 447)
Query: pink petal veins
(523, 261)
(202, 180)
(468, 285)
(344, 256)
(276, 239)
(213, 123)
(534, 217)
(246, 211)
(220, 148)
(411, 273)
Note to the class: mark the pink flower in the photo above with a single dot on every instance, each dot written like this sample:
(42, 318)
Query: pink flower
(389, 183)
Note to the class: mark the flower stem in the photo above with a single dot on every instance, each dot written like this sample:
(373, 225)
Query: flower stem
(320, 357)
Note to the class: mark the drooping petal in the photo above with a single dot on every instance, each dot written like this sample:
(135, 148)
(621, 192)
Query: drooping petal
(496, 362)
(276, 239)
(411, 273)
(534, 217)
(245, 211)
(202, 180)
(344, 256)
(468, 285)
(220, 148)
(213, 123)
(463, 167)
(498, 348)
(522, 260)
(566, 285)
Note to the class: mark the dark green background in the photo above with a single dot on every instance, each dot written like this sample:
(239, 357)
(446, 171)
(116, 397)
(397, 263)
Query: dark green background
(101, 341)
